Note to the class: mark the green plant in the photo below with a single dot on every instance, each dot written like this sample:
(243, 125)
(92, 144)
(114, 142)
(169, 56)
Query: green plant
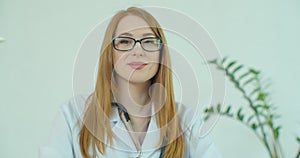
(298, 154)
(261, 115)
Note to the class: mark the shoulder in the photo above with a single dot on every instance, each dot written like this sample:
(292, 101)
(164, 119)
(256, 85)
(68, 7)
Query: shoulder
(63, 139)
(198, 145)
(73, 109)
(189, 116)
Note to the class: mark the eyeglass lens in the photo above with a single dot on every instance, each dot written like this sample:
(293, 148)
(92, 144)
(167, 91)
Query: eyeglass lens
(127, 43)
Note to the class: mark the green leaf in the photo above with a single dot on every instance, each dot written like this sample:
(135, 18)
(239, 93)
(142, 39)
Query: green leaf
(254, 126)
(253, 71)
(239, 111)
(261, 96)
(254, 91)
(273, 116)
(209, 110)
(224, 59)
(214, 61)
(237, 69)
(206, 117)
(240, 116)
(228, 110)
(270, 123)
(248, 81)
(276, 132)
(244, 75)
(219, 107)
(236, 84)
(298, 139)
(230, 64)
(250, 118)
(266, 107)
(206, 110)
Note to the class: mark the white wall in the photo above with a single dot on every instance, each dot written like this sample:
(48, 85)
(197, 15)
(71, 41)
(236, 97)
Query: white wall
(42, 39)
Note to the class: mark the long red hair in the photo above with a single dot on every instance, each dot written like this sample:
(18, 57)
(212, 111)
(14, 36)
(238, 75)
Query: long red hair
(96, 123)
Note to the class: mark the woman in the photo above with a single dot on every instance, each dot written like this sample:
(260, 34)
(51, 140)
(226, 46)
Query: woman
(132, 112)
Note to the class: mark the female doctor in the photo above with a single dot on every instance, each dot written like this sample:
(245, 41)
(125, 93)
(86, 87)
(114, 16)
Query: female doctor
(132, 111)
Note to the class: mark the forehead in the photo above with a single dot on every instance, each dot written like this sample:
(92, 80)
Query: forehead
(133, 25)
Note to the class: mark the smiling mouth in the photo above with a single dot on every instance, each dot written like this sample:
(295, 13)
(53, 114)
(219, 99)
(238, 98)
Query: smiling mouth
(137, 65)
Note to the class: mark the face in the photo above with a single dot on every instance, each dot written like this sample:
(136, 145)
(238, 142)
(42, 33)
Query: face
(136, 65)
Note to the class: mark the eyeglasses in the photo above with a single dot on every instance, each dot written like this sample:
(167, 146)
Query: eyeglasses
(150, 44)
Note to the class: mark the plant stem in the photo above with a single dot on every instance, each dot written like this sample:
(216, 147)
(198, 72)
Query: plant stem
(298, 155)
(264, 139)
(259, 121)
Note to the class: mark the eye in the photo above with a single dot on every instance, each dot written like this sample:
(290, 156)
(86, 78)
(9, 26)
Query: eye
(125, 41)
(150, 41)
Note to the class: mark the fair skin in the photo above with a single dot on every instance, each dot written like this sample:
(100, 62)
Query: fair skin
(133, 84)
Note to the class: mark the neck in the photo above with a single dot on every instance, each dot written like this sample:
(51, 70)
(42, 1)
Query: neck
(134, 97)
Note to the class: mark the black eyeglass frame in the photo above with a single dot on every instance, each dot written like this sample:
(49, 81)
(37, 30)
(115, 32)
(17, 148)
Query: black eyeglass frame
(140, 41)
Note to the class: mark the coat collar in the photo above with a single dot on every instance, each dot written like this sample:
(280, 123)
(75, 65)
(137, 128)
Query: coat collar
(115, 117)
(120, 132)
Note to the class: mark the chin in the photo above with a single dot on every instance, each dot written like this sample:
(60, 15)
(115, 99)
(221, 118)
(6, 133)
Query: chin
(138, 80)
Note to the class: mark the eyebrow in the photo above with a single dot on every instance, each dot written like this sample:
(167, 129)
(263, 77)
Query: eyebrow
(126, 34)
(148, 34)
(130, 34)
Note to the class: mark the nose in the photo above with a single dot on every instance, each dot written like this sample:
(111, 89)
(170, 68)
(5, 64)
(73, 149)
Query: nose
(138, 50)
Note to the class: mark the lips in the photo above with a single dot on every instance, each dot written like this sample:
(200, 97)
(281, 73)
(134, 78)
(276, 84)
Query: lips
(137, 65)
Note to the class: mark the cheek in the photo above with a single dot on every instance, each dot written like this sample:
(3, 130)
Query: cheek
(118, 60)
(154, 58)
(118, 65)
(116, 57)
(154, 68)
(154, 64)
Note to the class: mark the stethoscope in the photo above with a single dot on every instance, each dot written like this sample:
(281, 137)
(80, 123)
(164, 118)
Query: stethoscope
(126, 120)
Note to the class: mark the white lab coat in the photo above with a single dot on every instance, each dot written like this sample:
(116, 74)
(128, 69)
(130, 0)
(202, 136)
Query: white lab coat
(63, 142)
